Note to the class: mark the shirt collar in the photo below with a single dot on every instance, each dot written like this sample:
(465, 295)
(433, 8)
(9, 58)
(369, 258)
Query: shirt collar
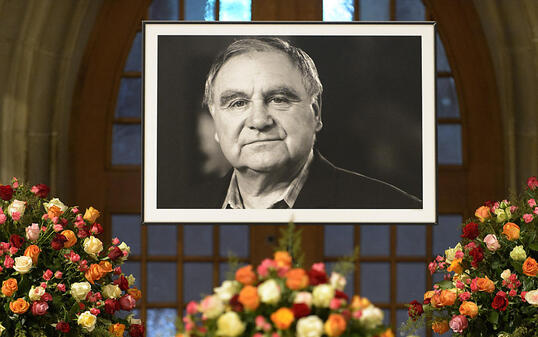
(287, 200)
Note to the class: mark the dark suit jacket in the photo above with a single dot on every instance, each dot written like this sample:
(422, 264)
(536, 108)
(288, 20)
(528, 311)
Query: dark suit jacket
(327, 186)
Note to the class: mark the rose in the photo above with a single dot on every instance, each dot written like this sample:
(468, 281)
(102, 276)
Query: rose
(300, 310)
(249, 298)
(440, 327)
(115, 253)
(458, 323)
(111, 306)
(16, 240)
(530, 267)
(532, 182)
(58, 242)
(87, 321)
(230, 325)
(23, 264)
(482, 213)
(54, 212)
(94, 273)
(518, 253)
(122, 282)
(282, 318)
(303, 297)
(32, 232)
(359, 303)
(136, 330)
(18, 207)
(415, 310)
(371, 317)
(125, 249)
(450, 254)
(111, 291)
(227, 289)
(485, 284)
(117, 329)
(41, 190)
(470, 231)
(92, 246)
(311, 326)
(296, 279)
(39, 308)
(63, 327)
(136, 293)
(127, 302)
(269, 292)
(322, 295)
(71, 238)
(469, 308)
(532, 297)
(455, 266)
(9, 287)
(91, 215)
(443, 299)
(19, 306)
(283, 259)
(335, 325)
(79, 290)
(505, 275)
(338, 281)
(55, 202)
(245, 275)
(478, 256)
(511, 231)
(528, 218)
(264, 267)
(500, 302)
(491, 242)
(6, 192)
(32, 251)
(36, 293)
(211, 306)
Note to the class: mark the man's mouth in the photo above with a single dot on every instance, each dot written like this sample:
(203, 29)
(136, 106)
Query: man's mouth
(256, 141)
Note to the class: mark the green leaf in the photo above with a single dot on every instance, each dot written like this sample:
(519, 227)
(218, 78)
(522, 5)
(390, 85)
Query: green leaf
(74, 309)
(534, 246)
(493, 317)
(446, 284)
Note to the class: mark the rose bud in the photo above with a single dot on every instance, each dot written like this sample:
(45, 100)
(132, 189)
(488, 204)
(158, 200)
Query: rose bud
(97, 229)
(41, 190)
(115, 253)
(136, 330)
(63, 327)
(122, 283)
(58, 242)
(127, 302)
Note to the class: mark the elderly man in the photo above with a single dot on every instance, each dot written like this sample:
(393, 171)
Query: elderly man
(265, 98)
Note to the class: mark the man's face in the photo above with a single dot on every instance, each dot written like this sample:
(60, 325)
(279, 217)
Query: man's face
(264, 118)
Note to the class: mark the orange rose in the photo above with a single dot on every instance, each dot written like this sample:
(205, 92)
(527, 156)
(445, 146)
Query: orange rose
(106, 266)
(530, 267)
(436, 300)
(359, 303)
(71, 238)
(428, 295)
(482, 213)
(455, 266)
(335, 325)
(282, 318)
(91, 215)
(54, 211)
(33, 252)
(485, 284)
(296, 279)
(9, 287)
(283, 259)
(245, 275)
(440, 327)
(137, 294)
(248, 296)
(387, 333)
(20, 306)
(117, 329)
(94, 273)
(511, 230)
(469, 308)
(447, 298)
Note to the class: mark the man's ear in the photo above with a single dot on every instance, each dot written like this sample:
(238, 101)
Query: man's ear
(216, 138)
(316, 108)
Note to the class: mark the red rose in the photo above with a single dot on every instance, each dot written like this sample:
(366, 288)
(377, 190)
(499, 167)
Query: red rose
(415, 310)
(6, 192)
(470, 231)
(39, 308)
(122, 283)
(58, 242)
(115, 253)
(300, 310)
(317, 277)
(83, 233)
(499, 303)
(136, 330)
(341, 294)
(235, 304)
(16, 240)
(111, 306)
(41, 190)
(97, 229)
(127, 302)
(63, 327)
(478, 256)
(532, 182)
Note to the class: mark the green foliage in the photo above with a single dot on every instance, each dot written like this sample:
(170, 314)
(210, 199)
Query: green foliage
(346, 265)
(291, 241)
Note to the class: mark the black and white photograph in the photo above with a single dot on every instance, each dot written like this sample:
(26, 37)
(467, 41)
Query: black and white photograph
(272, 122)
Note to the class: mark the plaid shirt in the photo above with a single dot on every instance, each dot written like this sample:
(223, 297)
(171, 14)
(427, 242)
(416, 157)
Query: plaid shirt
(287, 200)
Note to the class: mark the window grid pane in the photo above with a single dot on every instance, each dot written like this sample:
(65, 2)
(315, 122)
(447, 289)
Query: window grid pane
(338, 10)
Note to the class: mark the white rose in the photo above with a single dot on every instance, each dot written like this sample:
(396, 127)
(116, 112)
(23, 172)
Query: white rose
(227, 290)
(87, 321)
(124, 248)
(80, 290)
(371, 317)
(269, 292)
(93, 246)
(518, 253)
(322, 295)
(230, 325)
(303, 297)
(131, 280)
(111, 291)
(532, 297)
(23, 264)
(506, 274)
(311, 326)
(35, 293)
(16, 206)
(55, 202)
(134, 320)
(338, 281)
(211, 306)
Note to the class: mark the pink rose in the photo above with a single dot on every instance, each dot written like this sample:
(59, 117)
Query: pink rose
(116, 241)
(528, 218)
(512, 293)
(257, 334)
(535, 210)
(513, 209)
(32, 232)
(3, 218)
(491, 242)
(8, 262)
(265, 266)
(13, 250)
(58, 228)
(46, 297)
(58, 274)
(459, 254)
(474, 286)
(458, 323)
(335, 303)
(432, 267)
(47, 275)
(15, 216)
(262, 324)
(192, 308)
(523, 294)
(465, 296)
(320, 266)
(61, 287)
(39, 308)
(531, 202)
(127, 302)
(532, 182)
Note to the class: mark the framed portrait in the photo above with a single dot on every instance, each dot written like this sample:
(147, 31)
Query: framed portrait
(264, 122)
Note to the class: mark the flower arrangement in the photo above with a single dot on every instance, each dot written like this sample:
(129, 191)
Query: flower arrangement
(280, 298)
(56, 276)
(490, 285)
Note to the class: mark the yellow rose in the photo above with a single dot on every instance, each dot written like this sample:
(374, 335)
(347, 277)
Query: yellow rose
(93, 246)
(80, 290)
(87, 321)
(322, 295)
(117, 329)
(282, 318)
(23, 264)
(71, 238)
(91, 215)
(111, 291)
(518, 253)
(230, 325)
(55, 202)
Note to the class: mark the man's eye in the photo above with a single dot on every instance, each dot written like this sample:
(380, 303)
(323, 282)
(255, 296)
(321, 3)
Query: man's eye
(238, 104)
(279, 100)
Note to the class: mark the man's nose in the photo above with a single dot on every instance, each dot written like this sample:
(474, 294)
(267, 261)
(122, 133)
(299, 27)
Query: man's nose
(260, 117)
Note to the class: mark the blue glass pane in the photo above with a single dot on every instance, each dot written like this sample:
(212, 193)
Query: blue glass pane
(446, 234)
(442, 60)
(200, 10)
(375, 240)
(133, 268)
(411, 240)
(350, 287)
(449, 144)
(338, 240)
(161, 322)
(410, 10)
(386, 317)
(198, 240)
(375, 281)
(161, 281)
(126, 227)
(128, 104)
(134, 60)
(197, 280)
(164, 10)
(401, 317)
(447, 98)
(374, 10)
(162, 240)
(411, 281)
(126, 144)
(235, 10)
(234, 239)
(338, 10)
